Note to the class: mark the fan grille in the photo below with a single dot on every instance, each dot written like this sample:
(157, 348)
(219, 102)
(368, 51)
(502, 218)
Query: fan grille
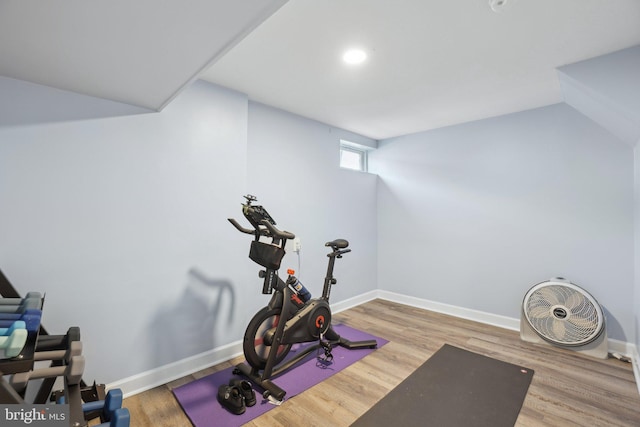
(563, 314)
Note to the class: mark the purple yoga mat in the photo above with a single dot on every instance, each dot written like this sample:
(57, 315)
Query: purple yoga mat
(199, 398)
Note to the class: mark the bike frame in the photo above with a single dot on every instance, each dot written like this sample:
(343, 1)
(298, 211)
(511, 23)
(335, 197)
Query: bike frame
(293, 323)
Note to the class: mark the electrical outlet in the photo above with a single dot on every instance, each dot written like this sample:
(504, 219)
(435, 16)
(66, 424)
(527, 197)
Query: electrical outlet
(297, 245)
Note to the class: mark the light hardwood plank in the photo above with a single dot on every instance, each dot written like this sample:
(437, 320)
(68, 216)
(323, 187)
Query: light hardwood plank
(568, 389)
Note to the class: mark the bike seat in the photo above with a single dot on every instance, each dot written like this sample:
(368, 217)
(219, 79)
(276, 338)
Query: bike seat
(338, 244)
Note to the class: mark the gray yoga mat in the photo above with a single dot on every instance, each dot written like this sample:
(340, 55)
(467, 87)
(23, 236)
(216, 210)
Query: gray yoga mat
(455, 387)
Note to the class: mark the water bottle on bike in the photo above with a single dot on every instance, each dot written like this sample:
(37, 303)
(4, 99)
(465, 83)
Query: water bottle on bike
(301, 294)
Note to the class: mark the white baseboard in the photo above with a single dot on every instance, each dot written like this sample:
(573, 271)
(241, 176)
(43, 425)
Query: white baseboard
(464, 313)
(635, 360)
(504, 322)
(167, 373)
(354, 301)
(620, 347)
(163, 374)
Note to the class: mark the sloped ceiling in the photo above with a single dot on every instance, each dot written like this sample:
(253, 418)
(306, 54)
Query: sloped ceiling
(430, 64)
(140, 52)
(607, 90)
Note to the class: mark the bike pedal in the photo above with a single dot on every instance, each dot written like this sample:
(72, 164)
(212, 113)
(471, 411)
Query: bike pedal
(273, 401)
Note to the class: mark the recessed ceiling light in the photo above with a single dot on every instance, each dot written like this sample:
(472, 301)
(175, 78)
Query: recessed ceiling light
(499, 5)
(354, 56)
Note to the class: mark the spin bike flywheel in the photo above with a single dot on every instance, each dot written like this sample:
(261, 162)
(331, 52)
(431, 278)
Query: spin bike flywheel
(256, 344)
(305, 326)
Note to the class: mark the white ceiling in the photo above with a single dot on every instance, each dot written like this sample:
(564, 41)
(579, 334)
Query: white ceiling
(430, 64)
(141, 52)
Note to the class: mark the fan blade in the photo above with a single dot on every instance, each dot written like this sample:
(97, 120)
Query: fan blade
(552, 295)
(559, 331)
(538, 312)
(563, 314)
(575, 301)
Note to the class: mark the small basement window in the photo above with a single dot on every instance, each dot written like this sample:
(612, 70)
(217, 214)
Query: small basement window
(353, 156)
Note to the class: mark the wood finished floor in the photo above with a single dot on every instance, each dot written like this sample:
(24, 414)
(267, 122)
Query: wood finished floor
(568, 389)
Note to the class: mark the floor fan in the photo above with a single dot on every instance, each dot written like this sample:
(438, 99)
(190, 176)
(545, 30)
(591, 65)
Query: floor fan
(565, 315)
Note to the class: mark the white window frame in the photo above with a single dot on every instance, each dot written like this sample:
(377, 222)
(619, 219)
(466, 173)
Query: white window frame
(359, 149)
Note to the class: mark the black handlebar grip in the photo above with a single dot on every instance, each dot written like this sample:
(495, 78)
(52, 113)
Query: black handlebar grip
(278, 233)
(239, 227)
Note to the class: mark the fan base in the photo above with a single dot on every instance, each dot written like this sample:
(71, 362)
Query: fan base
(598, 348)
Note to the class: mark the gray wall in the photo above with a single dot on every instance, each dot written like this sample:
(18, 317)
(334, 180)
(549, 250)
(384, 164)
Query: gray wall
(110, 216)
(122, 221)
(25, 103)
(607, 90)
(474, 215)
(294, 169)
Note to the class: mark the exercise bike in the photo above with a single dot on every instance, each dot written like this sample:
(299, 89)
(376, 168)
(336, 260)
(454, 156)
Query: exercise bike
(288, 319)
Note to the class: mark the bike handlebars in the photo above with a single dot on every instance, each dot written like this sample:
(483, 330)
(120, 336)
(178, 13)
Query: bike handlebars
(269, 231)
(278, 233)
(240, 228)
